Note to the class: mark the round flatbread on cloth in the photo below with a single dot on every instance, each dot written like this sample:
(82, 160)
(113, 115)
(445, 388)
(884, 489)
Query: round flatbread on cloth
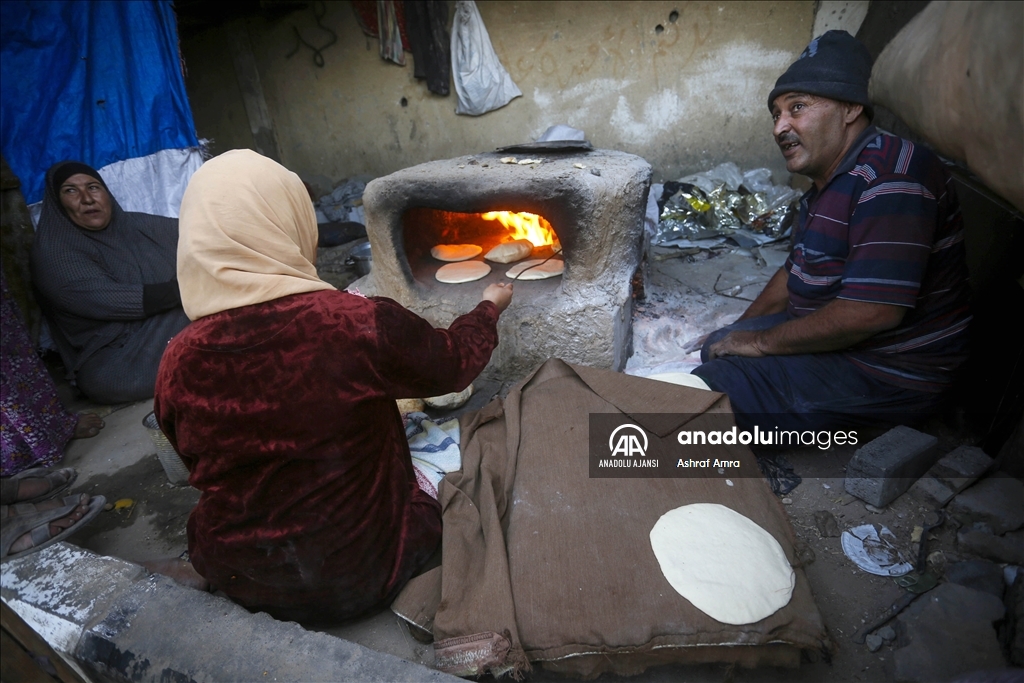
(455, 252)
(682, 379)
(726, 565)
(552, 268)
(464, 271)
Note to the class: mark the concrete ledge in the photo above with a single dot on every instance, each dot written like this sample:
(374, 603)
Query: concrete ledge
(114, 621)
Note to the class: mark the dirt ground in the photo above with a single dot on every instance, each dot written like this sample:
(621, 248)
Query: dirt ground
(688, 295)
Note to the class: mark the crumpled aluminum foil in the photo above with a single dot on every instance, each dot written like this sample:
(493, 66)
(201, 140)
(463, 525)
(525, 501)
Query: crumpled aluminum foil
(722, 200)
(683, 215)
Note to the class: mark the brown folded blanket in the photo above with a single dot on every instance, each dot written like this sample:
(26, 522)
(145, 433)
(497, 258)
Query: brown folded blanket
(542, 563)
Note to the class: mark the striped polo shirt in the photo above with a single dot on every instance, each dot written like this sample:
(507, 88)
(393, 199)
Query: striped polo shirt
(887, 229)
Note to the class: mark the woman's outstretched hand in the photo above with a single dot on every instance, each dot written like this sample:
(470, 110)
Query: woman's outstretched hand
(499, 294)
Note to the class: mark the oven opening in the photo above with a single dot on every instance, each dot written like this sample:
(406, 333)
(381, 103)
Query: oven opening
(425, 229)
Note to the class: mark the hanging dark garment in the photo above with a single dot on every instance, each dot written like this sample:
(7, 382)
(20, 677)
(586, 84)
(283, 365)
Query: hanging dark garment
(427, 29)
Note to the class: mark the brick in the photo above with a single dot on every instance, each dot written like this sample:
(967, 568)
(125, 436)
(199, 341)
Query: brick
(953, 473)
(884, 468)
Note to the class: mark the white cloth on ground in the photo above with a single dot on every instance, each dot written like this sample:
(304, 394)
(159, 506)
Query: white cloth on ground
(435, 449)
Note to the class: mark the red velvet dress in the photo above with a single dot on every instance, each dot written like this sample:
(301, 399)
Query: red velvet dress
(284, 414)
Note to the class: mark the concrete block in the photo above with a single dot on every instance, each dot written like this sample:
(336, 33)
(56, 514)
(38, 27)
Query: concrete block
(932, 491)
(953, 473)
(997, 501)
(884, 468)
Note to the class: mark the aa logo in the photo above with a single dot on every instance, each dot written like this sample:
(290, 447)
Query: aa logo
(628, 443)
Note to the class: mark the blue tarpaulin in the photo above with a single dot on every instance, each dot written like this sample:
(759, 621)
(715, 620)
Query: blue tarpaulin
(94, 81)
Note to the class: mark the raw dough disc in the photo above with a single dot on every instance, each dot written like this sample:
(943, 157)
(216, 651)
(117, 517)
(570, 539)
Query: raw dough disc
(726, 565)
(455, 252)
(464, 271)
(510, 251)
(552, 268)
(682, 379)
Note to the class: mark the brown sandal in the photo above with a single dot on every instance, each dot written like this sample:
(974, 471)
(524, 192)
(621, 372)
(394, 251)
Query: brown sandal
(25, 518)
(59, 480)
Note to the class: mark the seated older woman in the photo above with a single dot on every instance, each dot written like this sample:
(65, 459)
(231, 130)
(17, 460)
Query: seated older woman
(280, 399)
(106, 283)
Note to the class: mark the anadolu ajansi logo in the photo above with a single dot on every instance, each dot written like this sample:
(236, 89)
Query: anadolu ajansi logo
(628, 443)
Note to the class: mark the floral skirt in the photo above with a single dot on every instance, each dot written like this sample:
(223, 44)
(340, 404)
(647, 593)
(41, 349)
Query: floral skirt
(35, 427)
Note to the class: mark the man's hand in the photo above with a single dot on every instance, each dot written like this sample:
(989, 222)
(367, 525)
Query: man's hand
(499, 294)
(837, 325)
(739, 343)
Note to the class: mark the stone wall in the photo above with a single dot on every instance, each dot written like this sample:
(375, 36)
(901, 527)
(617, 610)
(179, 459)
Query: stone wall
(682, 84)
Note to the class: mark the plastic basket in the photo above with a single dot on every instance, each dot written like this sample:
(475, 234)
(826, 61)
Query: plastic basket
(174, 468)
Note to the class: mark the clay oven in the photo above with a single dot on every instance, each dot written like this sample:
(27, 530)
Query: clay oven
(593, 200)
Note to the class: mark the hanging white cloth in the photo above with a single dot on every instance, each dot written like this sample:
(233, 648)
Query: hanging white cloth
(481, 82)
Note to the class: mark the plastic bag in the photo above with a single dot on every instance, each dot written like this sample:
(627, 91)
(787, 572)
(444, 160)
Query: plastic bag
(339, 204)
(481, 82)
(727, 174)
(758, 180)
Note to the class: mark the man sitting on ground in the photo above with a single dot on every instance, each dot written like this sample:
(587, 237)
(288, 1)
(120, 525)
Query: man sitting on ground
(867, 320)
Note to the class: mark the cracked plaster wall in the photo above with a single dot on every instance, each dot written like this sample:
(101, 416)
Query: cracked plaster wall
(682, 84)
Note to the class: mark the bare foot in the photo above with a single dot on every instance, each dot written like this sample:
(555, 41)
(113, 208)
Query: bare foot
(179, 571)
(24, 541)
(89, 425)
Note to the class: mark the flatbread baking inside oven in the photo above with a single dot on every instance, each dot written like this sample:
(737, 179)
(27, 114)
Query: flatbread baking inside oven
(464, 271)
(552, 268)
(455, 252)
(510, 251)
(723, 562)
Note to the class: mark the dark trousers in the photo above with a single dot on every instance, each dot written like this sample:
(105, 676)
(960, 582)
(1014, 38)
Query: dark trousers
(807, 391)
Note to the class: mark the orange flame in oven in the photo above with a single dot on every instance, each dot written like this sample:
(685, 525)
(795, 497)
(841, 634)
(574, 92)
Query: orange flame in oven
(524, 226)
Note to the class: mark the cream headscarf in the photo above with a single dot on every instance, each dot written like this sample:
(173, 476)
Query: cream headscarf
(247, 234)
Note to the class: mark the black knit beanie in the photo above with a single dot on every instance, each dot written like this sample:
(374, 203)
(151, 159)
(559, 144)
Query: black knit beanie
(835, 65)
